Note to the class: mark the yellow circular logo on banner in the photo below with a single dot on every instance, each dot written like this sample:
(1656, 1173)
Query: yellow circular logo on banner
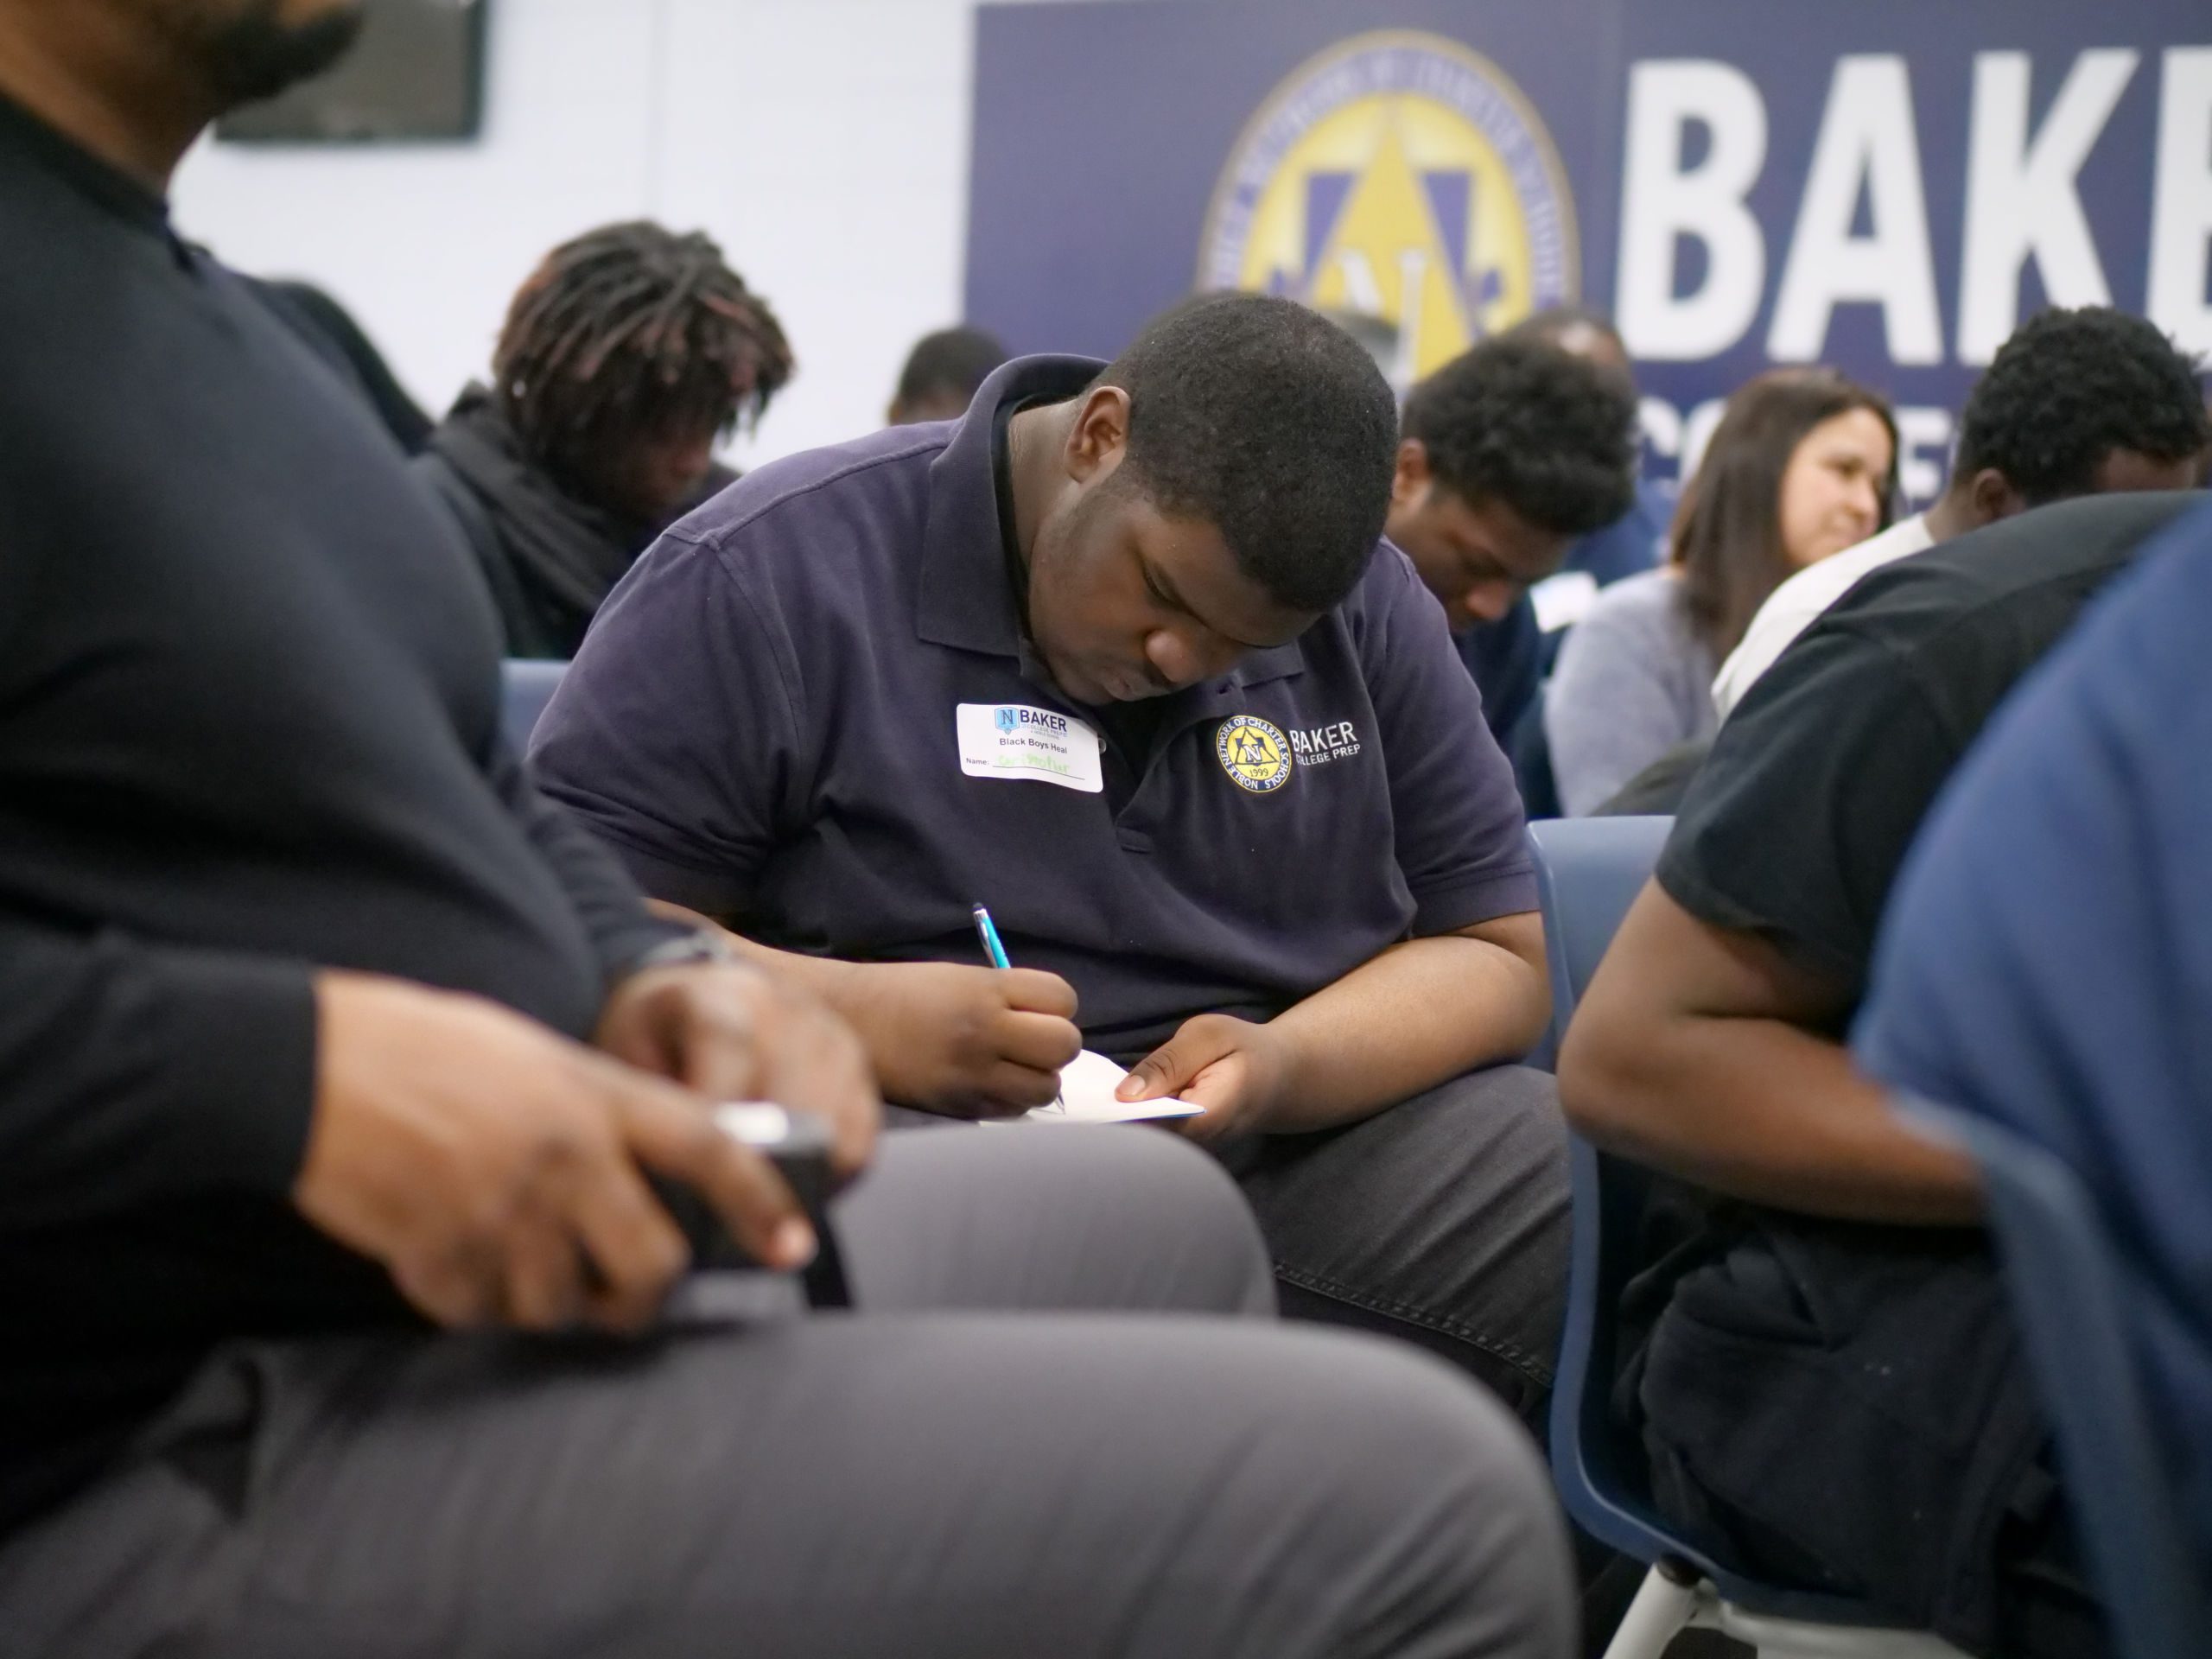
(1400, 178)
(1254, 753)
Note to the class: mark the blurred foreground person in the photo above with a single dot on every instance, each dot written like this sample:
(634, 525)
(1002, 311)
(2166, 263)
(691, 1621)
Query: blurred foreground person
(337, 337)
(625, 355)
(2071, 837)
(333, 1063)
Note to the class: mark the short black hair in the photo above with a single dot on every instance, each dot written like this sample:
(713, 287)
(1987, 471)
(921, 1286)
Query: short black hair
(1517, 419)
(2070, 387)
(1266, 420)
(633, 331)
(956, 360)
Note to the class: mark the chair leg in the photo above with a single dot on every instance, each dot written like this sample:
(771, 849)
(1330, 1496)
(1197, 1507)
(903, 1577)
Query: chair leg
(1657, 1615)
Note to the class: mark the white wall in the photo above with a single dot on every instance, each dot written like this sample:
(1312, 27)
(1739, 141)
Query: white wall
(822, 143)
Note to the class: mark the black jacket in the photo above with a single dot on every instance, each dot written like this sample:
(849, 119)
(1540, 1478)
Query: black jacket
(550, 558)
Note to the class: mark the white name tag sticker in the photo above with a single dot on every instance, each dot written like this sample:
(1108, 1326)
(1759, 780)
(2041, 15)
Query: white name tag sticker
(1012, 739)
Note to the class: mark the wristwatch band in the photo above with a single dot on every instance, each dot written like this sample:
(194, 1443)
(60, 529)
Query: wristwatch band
(689, 948)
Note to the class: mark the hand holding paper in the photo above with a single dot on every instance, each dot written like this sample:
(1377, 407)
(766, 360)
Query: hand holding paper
(1232, 1071)
(1088, 1094)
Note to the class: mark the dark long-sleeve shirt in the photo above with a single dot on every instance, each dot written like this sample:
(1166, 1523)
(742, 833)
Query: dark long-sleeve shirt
(248, 726)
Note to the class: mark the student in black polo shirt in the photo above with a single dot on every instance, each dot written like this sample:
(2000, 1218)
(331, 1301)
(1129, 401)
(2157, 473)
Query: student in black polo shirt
(1267, 842)
(1829, 1387)
(333, 1061)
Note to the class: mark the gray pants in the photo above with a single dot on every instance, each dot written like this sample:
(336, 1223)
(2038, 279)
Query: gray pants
(1442, 1221)
(941, 1473)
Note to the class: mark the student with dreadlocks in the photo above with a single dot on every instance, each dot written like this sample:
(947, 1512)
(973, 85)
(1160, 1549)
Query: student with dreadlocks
(628, 351)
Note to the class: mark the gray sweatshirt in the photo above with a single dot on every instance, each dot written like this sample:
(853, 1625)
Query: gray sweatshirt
(1633, 682)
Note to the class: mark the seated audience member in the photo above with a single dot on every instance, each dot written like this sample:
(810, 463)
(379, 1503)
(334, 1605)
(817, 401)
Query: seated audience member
(328, 328)
(1635, 542)
(625, 355)
(1508, 453)
(1119, 657)
(1802, 465)
(941, 375)
(1511, 658)
(333, 1062)
(2046, 963)
(2076, 402)
(1827, 1381)
(1380, 338)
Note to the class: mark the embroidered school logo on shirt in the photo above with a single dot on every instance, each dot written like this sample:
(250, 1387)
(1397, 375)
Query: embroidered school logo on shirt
(1254, 754)
(1317, 746)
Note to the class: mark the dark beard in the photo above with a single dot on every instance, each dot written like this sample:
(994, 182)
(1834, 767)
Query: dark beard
(248, 54)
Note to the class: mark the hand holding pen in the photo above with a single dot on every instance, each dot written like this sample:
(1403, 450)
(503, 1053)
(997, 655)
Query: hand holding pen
(994, 953)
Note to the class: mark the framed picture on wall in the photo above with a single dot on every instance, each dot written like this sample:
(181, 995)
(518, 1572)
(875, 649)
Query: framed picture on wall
(416, 75)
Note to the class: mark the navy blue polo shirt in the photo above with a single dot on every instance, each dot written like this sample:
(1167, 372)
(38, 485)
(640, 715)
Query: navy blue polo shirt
(766, 721)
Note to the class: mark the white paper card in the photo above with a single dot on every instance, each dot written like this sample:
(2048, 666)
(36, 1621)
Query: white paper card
(756, 1122)
(1087, 1084)
(1562, 601)
(1012, 739)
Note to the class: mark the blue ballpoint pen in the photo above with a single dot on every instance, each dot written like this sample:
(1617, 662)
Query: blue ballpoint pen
(994, 952)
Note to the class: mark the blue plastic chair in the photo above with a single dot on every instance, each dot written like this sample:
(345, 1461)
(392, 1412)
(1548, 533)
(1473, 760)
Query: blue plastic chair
(526, 686)
(2073, 1297)
(1588, 872)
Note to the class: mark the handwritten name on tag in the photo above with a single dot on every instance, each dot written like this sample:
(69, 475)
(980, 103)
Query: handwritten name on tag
(1014, 740)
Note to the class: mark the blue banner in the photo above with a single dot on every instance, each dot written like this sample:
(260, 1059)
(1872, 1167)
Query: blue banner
(1888, 186)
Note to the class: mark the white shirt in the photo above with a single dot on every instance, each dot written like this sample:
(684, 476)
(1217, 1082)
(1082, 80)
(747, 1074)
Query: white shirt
(1799, 602)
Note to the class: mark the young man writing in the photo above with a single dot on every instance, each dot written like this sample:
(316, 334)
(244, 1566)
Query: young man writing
(1119, 657)
(333, 1063)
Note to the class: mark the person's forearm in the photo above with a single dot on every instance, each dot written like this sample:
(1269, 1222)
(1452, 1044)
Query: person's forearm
(826, 976)
(941, 1036)
(138, 1071)
(1698, 1098)
(605, 900)
(1419, 1012)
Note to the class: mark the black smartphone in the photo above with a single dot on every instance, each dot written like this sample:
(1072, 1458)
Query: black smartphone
(797, 1143)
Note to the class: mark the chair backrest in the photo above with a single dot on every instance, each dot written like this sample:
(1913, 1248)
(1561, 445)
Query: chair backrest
(2071, 1293)
(526, 686)
(1588, 872)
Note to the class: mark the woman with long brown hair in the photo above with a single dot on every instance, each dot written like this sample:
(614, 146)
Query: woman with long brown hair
(1802, 465)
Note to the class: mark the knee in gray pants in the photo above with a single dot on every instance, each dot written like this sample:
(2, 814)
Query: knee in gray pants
(1443, 1536)
(1071, 1218)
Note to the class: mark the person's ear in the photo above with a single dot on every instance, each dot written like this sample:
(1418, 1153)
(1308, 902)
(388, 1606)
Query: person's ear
(1100, 435)
(1993, 497)
(1413, 472)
